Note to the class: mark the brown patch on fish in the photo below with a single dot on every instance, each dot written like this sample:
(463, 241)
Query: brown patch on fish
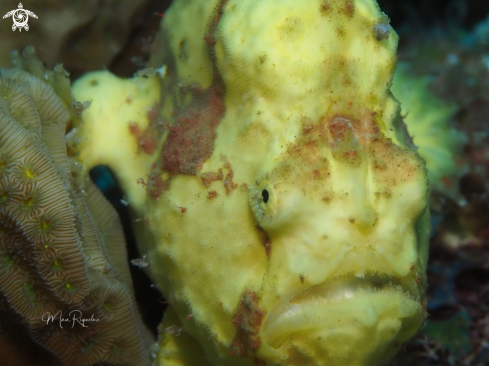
(247, 320)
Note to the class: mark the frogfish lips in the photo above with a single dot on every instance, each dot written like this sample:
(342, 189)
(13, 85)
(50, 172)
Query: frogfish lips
(350, 312)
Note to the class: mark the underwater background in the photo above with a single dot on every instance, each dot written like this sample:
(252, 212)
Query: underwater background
(444, 43)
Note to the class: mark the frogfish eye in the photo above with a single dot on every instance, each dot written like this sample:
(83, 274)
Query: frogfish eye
(261, 201)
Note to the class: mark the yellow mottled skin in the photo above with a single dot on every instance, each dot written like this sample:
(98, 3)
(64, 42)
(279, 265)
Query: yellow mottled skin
(282, 212)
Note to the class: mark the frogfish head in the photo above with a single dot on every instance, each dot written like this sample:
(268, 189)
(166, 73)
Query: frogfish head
(343, 214)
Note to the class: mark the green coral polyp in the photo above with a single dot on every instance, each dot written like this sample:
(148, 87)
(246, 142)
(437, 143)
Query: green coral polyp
(30, 202)
(87, 346)
(45, 225)
(29, 173)
(7, 261)
(4, 197)
(4, 91)
(69, 287)
(429, 121)
(56, 266)
(30, 291)
(116, 348)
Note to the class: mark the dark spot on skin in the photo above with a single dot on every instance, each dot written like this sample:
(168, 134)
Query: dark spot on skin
(229, 185)
(212, 194)
(211, 41)
(307, 129)
(349, 9)
(340, 32)
(209, 177)
(267, 243)
(381, 31)
(210, 38)
(182, 50)
(265, 240)
(93, 82)
(156, 185)
(247, 320)
(145, 140)
(382, 28)
(339, 128)
(324, 7)
(265, 195)
(350, 155)
(291, 28)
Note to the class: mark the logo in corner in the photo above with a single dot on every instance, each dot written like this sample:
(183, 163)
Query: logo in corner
(20, 17)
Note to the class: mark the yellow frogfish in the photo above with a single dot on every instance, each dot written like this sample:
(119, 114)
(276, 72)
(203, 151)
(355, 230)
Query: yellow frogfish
(275, 192)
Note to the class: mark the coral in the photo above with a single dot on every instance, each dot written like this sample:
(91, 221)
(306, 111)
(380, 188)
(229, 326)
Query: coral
(62, 251)
(83, 35)
(278, 201)
(429, 121)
